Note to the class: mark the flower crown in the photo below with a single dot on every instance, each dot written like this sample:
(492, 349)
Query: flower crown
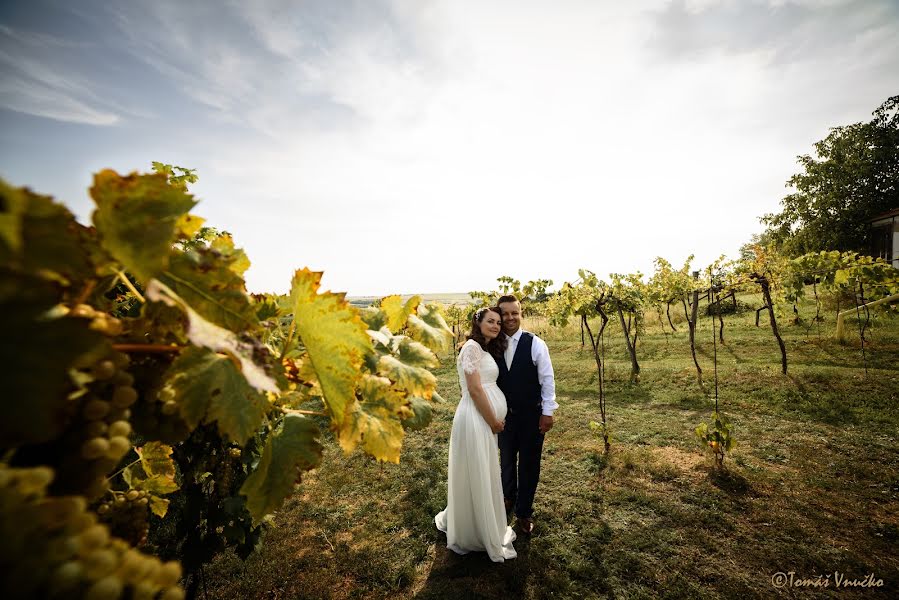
(479, 314)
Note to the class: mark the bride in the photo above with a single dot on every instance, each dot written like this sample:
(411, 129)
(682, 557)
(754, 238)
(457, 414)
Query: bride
(475, 517)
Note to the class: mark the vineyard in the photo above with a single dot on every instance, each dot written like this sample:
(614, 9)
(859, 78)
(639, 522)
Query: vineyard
(169, 435)
(810, 486)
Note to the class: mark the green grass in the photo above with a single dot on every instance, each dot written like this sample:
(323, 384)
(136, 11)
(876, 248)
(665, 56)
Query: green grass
(811, 487)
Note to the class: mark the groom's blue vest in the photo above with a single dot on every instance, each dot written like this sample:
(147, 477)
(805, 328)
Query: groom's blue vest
(520, 384)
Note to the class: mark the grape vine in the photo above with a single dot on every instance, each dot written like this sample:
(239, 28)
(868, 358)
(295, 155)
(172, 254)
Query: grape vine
(159, 389)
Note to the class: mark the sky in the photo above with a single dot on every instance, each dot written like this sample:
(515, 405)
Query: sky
(425, 146)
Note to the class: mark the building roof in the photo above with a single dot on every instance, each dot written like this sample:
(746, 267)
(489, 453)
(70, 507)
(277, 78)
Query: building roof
(890, 213)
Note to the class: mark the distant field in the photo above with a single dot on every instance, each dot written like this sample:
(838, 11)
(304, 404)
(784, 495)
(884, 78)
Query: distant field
(453, 298)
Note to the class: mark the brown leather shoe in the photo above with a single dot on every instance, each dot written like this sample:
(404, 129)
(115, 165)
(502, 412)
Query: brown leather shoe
(526, 525)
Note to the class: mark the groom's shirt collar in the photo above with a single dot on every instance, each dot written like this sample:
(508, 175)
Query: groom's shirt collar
(515, 336)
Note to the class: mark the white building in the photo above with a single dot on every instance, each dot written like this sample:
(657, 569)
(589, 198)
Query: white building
(885, 236)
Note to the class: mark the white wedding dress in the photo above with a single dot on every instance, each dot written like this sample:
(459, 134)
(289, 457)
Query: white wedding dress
(475, 518)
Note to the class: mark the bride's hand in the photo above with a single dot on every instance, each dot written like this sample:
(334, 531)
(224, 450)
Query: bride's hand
(498, 426)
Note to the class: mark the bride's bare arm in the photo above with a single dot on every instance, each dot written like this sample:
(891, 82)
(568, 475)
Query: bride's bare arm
(479, 396)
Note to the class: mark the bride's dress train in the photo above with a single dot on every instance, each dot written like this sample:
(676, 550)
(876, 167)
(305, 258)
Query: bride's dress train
(475, 518)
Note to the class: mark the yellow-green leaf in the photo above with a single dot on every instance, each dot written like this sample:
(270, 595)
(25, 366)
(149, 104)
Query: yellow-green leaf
(209, 388)
(209, 335)
(159, 471)
(416, 355)
(238, 261)
(156, 459)
(334, 337)
(429, 327)
(397, 311)
(137, 217)
(412, 379)
(159, 506)
(39, 235)
(375, 421)
(188, 225)
(421, 414)
(156, 484)
(382, 336)
(211, 281)
(374, 318)
(294, 447)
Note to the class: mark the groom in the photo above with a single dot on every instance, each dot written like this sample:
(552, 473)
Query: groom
(526, 378)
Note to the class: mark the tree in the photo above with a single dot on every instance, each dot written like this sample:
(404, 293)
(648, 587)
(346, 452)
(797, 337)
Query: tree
(587, 299)
(532, 294)
(854, 177)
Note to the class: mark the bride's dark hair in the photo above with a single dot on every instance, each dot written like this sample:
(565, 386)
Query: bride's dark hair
(497, 346)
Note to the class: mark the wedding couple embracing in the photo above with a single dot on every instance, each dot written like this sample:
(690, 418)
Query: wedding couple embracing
(508, 400)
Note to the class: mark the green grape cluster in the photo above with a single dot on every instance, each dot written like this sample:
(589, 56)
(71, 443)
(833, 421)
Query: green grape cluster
(98, 435)
(229, 462)
(156, 416)
(127, 514)
(53, 547)
(100, 321)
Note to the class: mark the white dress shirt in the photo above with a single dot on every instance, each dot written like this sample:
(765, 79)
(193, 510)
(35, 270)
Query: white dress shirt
(540, 358)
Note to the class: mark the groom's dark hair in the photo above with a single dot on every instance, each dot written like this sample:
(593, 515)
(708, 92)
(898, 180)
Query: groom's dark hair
(506, 298)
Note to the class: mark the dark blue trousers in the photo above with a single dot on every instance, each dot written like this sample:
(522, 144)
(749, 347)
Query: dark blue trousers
(520, 448)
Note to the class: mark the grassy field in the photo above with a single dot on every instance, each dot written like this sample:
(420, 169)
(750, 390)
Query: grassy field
(811, 488)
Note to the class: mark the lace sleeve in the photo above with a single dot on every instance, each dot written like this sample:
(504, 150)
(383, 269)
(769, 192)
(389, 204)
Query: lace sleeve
(470, 357)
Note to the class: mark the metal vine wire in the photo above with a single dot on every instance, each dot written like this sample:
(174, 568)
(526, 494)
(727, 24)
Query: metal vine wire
(858, 317)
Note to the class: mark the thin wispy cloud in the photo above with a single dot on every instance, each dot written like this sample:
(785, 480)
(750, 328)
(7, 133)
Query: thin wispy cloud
(33, 83)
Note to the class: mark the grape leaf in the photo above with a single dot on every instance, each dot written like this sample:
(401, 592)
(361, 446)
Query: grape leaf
(159, 506)
(421, 414)
(334, 337)
(415, 354)
(266, 307)
(374, 318)
(375, 420)
(293, 447)
(382, 336)
(159, 470)
(238, 261)
(156, 459)
(137, 217)
(189, 225)
(208, 387)
(429, 328)
(39, 235)
(414, 380)
(208, 335)
(397, 312)
(208, 280)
